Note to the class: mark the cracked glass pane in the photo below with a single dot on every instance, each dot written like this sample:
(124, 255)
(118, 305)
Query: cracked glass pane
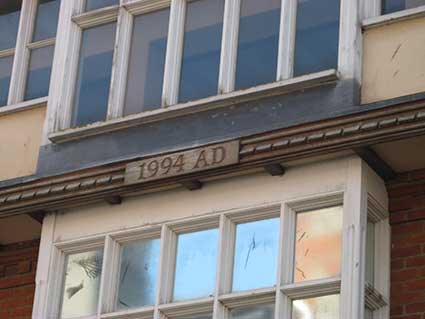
(138, 275)
(254, 312)
(81, 286)
(256, 252)
(258, 43)
(318, 244)
(46, 21)
(317, 36)
(10, 11)
(201, 49)
(390, 6)
(196, 263)
(316, 308)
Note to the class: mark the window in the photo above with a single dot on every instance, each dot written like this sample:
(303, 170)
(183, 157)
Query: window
(164, 54)
(390, 6)
(26, 48)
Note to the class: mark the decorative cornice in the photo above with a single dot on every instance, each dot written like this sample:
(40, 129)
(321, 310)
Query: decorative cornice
(258, 151)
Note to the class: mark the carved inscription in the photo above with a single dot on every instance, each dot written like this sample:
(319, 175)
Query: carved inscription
(183, 163)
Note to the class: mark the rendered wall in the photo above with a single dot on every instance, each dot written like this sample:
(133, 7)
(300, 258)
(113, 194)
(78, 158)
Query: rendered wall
(394, 60)
(407, 206)
(20, 138)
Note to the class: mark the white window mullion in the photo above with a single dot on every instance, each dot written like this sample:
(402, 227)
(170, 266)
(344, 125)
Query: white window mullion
(174, 53)
(288, 25)
(120, 64)
(229, 46)
(21, 58)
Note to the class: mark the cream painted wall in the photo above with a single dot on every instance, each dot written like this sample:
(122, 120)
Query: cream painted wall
(20, 138)
(394, 60)
(234, 193)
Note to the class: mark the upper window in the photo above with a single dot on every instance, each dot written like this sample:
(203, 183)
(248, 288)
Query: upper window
(165, 54)
(26, 48)
(390, 6)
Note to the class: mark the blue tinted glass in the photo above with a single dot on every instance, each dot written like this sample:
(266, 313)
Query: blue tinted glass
(316, 42)
(94, 75)
(5, 73)
(258, 42)
(46, 22)
(138, 276)
(10, 11)
(201, 49)
(256, 252)
(195, 265)
(97, 4)
(389, 6)
(147, 61)
(40, 67)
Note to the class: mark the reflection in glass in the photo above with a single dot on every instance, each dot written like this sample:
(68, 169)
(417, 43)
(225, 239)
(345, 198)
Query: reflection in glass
(9, 21)
(195, 265)
(256, 251)
(81, 286)
(94, 75)
(316, 308)
(318, 244)
(317, 36)
(46, 21)
(258, 42)
(38, 78)
(254, 312)
(206, 316)
(390, 6)
(201, 49)
(97, 4)
(6, 64)
(138, 275)
(147, 61)
(370, 252)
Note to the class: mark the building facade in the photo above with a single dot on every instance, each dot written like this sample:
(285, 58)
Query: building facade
(212, 159)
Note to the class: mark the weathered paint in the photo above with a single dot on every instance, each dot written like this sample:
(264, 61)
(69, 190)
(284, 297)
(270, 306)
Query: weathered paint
(20, 138)
(394, 60)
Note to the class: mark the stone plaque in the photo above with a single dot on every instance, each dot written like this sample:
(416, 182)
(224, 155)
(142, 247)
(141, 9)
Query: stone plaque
(182, 163)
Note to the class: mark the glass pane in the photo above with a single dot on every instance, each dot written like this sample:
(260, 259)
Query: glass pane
(317, 36)
(46, 22)
(389, 6)
(201, 49)
(147, 61)
(138, 277)
(370, 252)
(256, 252)
(81, 287)
(316, 308)
(97, 4)
(94, 75)
(10, 11)
(5, 74)
(258, 42)
(40, 67)
(254, 312)
(195, 265)
(197, 317)
(318, 244)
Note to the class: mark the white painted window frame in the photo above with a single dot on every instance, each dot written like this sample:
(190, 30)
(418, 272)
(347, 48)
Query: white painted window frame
(60, 102)
(21, 53)
(358, 205)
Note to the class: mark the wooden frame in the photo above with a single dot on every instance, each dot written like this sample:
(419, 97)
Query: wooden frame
(360, 198)
(60, 104)
(21, 53)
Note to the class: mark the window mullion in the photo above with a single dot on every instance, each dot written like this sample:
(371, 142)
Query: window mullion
(229, 46)
(120, 64)
(174, 53)
(21, 58)
(288, 21)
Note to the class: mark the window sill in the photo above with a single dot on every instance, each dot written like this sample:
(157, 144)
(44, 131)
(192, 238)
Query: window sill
(393, 17)
(23, 106)
(202, 105)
